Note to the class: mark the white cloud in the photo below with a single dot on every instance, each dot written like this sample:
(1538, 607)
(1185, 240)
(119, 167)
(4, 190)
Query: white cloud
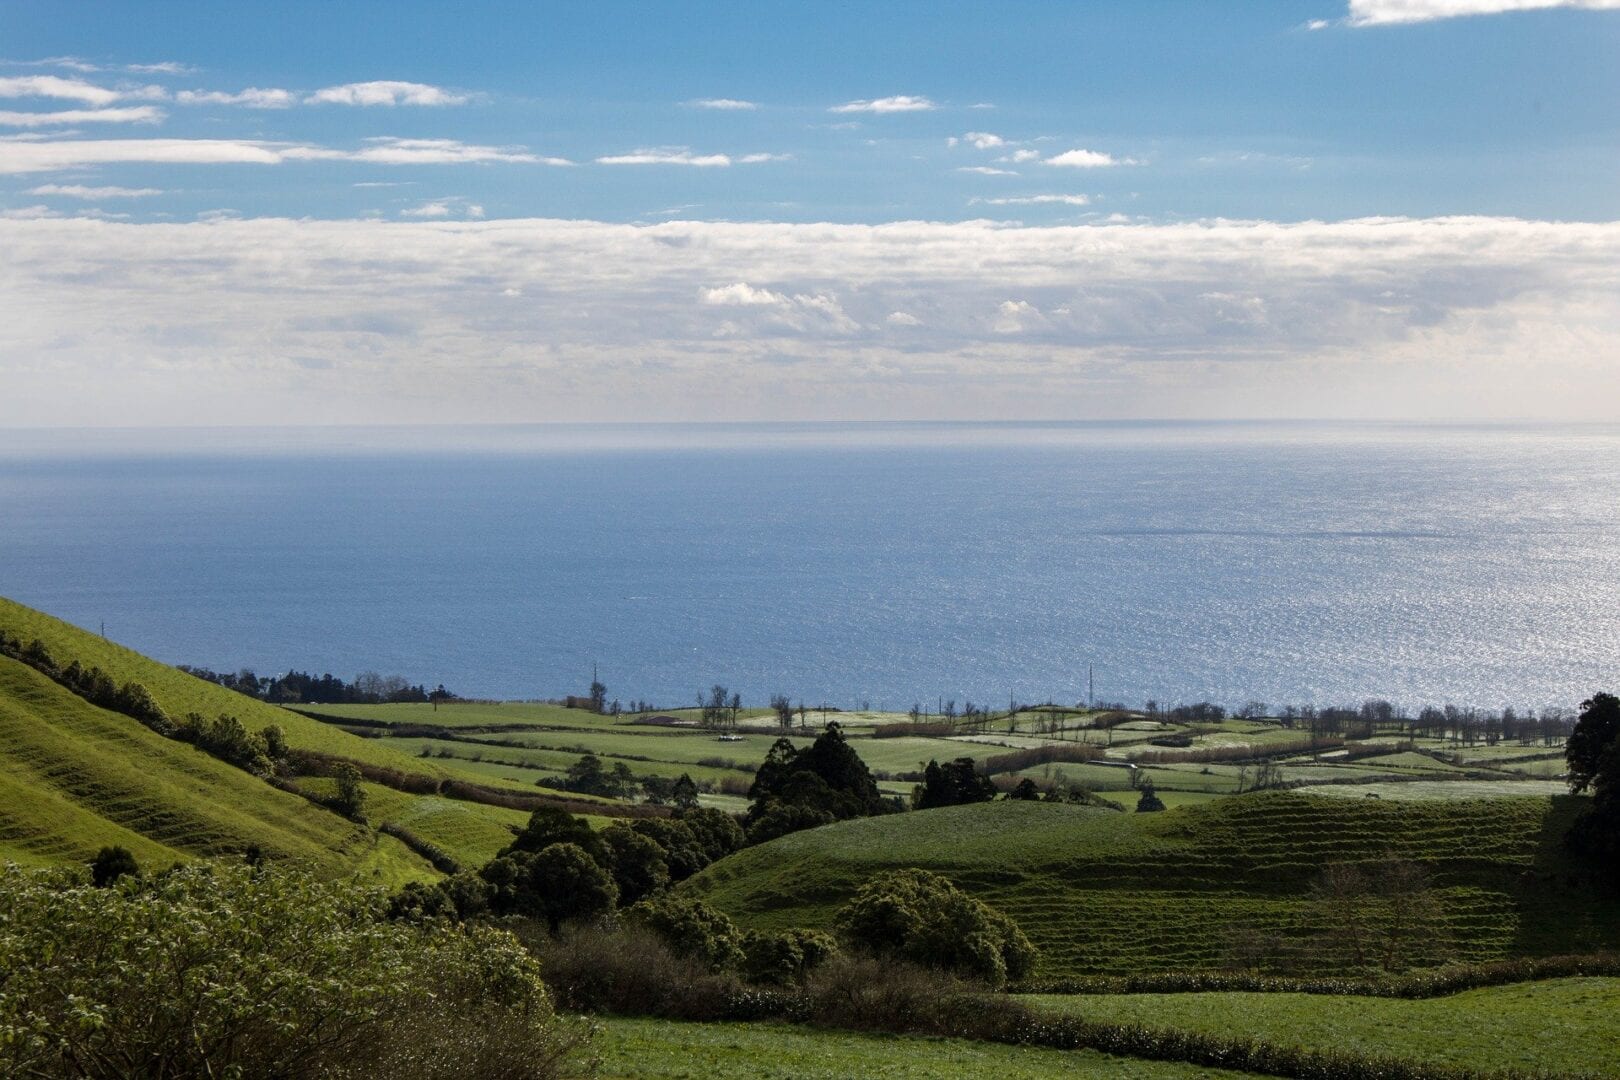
(742, 294)
(1386, 12)
(902, 318)
(983, 140)
(386, 92)
(27, 157)
(135, 114)
(447, 207)
(54, 86)
(1452, 316)
(899, 103)
(1087, 159)
(1039, 200)
(79, 191)
(253, 97)
(162, 67)
(727, 104)
(985, 170)
(28, 213)
(1018, 157)
(668, 155)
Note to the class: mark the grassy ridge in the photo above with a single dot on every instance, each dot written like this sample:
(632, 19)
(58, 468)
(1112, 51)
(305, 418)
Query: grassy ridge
(1562, 1026)
(47, 830)
(77, 777)
(179, 693)
(1106, 892)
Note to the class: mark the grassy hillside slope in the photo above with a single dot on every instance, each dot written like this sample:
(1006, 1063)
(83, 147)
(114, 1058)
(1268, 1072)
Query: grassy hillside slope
(74, 777)
(179, 693)
(1106, 892)
(467, 831)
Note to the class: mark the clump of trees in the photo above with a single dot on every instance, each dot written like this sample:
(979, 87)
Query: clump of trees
(952, 784)
(559, 870)
(305, 688)
(799, 789)
(286, 976)
(924, 919)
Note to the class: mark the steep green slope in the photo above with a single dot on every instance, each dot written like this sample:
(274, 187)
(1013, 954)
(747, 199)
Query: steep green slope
(74, 777)
(467, 831)
(179, 693)
(1105, 892)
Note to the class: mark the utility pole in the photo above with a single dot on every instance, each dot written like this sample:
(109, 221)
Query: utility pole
(1091, 688)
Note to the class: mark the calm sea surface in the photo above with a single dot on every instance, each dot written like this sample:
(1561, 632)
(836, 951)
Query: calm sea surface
(847, 563)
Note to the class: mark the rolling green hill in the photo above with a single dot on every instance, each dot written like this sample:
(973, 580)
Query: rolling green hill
(1100, 891)
(74, 777)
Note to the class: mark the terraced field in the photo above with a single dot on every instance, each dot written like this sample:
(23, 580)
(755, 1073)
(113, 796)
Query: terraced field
(1567, 1027)
(75, 778)
(1105, 892)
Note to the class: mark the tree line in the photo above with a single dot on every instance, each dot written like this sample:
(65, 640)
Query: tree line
(305, 688)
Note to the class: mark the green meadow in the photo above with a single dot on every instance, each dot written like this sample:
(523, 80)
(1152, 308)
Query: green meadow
(1565, 1027)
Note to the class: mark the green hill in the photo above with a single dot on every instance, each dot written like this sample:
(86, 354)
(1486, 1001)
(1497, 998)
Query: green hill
(74, 777)
(1100, 891)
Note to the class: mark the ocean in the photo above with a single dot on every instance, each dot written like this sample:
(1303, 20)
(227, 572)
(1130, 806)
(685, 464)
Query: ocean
(875, 565)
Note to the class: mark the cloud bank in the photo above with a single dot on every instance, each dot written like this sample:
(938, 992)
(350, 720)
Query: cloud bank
(1387, 12)
(282, 321)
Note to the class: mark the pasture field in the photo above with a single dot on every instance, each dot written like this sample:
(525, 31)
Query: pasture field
(522, 742)
(673, 1050)
(1567, 1027)
(1100, 891)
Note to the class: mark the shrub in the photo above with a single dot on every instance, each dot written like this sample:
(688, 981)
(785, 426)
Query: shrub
(229, 970)
(692, 929)
(921, 917)
(110, 864)
(785, 956)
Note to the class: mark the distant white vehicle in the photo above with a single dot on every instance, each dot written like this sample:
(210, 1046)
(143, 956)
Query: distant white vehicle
(730, 738)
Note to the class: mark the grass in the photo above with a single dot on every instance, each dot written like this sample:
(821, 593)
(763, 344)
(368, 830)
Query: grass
(672, 1050)
(1099, 891)
(76, 777)
(174, 811)
(1561, 1026)
(179, 693)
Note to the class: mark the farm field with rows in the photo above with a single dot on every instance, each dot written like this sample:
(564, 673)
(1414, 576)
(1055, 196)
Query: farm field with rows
(1099, 891)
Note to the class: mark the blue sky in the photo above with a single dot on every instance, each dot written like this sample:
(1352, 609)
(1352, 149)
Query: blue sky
(1491, 134)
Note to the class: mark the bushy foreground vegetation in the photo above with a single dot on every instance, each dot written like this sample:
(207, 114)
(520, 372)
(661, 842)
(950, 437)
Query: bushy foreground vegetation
(231, 970)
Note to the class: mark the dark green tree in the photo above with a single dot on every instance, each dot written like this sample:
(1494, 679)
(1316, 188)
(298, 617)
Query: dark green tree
(952, 784)
(549, 825)
(351, 797)
(683, 853)
(1149, 801)
(685, 793)
(636, 862)
(110, 864)
(1592, 741)
(557, 884)
(1026, 791)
